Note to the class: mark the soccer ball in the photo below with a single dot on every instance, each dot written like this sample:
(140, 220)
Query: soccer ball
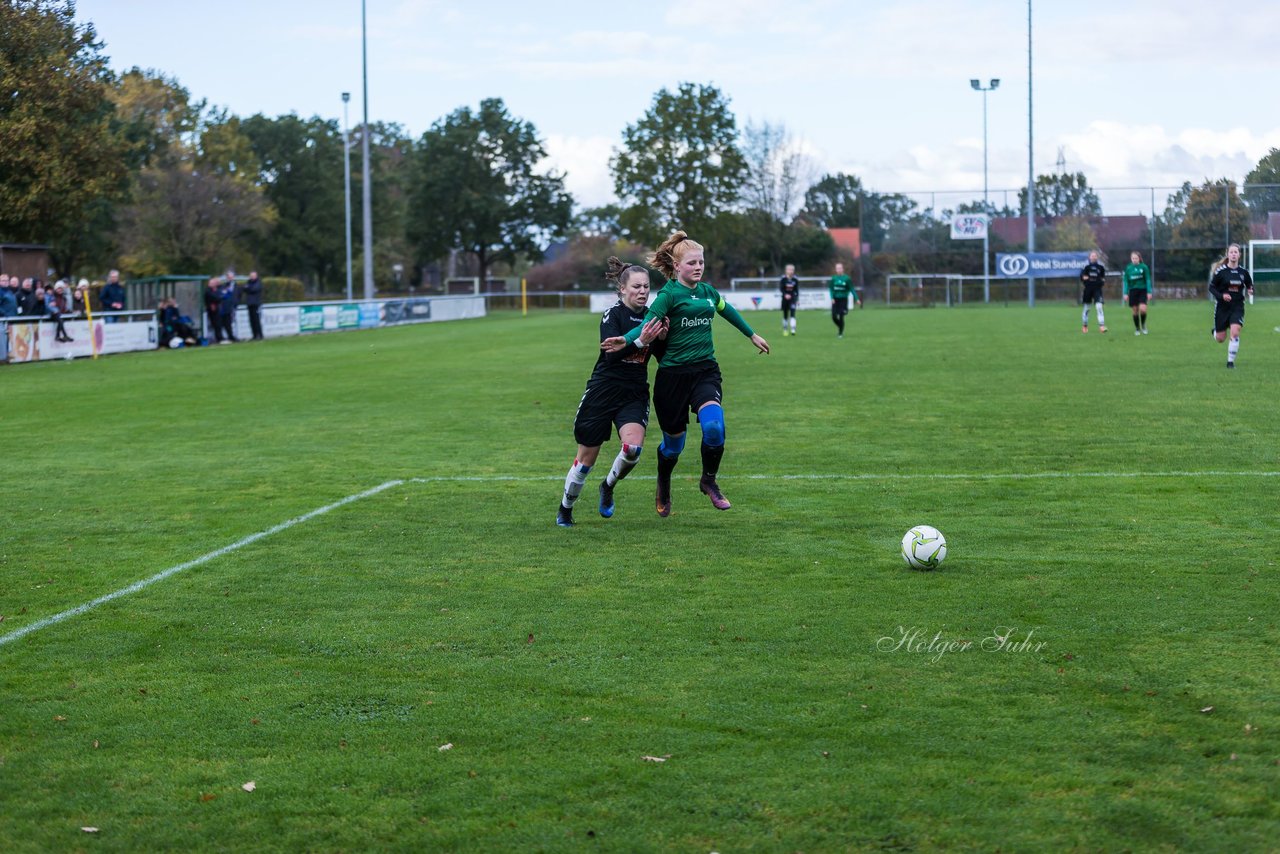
(924, 547)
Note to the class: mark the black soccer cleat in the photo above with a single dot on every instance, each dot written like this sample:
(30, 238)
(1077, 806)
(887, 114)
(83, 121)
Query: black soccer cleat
(606, 500)
(711, 489)
(1231, 364)
(564, 517)
(662, 496)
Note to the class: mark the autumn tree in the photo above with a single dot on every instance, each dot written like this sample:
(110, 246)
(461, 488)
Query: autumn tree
(63, 154)
(680, 164)
(478, 185)
(778, 173)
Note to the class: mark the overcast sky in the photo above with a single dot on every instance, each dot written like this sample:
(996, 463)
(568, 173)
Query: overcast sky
(1139, 93)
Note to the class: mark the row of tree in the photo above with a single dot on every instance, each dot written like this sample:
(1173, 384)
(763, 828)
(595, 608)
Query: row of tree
(129, 170)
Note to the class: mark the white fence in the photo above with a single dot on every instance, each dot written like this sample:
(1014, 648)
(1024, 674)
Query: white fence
(33, 339)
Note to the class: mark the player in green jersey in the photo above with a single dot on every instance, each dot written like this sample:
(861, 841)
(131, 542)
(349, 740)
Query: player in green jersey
(1138, 290)
(841, 286)
(688, 377)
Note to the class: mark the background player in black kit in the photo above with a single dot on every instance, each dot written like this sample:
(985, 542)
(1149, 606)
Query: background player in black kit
(790, 288)
(1093, 277)
(617, 392)
(1228, 286)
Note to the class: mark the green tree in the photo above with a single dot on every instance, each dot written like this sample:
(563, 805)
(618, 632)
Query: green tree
(679, 165)
(834, 202)
(300, 171)
(1062, 194)
(477, 187)
(1262, 185)
(64, 156)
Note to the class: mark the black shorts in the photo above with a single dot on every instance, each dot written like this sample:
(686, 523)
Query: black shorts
(1092, 293)
(1227, 313)
(679, 391)
(788, 307)
(839, 307)
(608, 404)
(1137, 296)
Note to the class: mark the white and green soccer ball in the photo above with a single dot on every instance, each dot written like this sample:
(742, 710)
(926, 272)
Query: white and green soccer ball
(924, 547)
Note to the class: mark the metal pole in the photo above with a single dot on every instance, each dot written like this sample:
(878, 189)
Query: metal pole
(366, 191)
(1031, 171)
(1153, 235)
(1226, 213)
(346, 178)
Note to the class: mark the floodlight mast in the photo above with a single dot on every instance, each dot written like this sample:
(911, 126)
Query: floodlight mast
(346, 181)
(986, 205)
(366, 190)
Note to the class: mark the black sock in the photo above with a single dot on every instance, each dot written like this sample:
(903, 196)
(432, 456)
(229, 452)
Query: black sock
(1137, 324)
(1143, 315)
(666, 465)
(711, 459)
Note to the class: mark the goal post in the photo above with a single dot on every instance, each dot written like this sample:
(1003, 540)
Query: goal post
(1263, 264)
(925, 289)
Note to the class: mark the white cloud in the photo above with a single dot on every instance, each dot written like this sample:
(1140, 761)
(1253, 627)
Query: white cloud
(585, 162)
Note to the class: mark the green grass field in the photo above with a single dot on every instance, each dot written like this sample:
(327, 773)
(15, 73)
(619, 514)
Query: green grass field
(1109, 503)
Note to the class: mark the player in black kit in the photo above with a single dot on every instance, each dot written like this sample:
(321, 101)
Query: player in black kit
(1093, 277)
(617, 392)
(1228, 286)
(790, 288)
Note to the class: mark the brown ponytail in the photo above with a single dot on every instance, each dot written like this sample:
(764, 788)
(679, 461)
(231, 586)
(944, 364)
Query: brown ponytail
(617, 271)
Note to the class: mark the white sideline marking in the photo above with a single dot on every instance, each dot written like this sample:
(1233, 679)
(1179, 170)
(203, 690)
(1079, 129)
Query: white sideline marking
(253, 538)
(205, 558)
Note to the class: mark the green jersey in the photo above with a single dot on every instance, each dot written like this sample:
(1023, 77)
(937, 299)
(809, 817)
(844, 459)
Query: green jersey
(841, 287)
(690, 311)
(1137, 276)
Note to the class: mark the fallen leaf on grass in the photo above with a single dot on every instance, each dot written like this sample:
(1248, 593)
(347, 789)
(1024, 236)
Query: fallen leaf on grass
(249, 786)
(442, 748)
(1233, 757)
(530, 640)
(95, 744)
(662, 758)
(1206, 710)
(207, 796)
(89, 829)
(59, 717)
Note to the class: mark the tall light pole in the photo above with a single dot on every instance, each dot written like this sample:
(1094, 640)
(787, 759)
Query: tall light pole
(346, 179)
(366, 190)
(1031, 173)
(986, 205)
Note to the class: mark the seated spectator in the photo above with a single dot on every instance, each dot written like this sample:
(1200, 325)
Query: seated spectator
(57, 303)
(174, 324)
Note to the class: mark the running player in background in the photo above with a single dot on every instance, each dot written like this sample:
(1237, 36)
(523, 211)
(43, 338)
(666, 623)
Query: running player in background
(841, 286)
(790, 288)
(617, 393)
(1093, 277)
(1137, 290)
(1228, 286)
(688, 377)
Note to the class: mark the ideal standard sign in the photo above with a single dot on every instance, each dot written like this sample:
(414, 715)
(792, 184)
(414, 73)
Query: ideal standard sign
(1040, 265)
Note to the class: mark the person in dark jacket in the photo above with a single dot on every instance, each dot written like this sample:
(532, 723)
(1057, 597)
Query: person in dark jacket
(212, 310)
(251, 292)
(227, 307)
(28, 302)
(8, 302)
(112, 296)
